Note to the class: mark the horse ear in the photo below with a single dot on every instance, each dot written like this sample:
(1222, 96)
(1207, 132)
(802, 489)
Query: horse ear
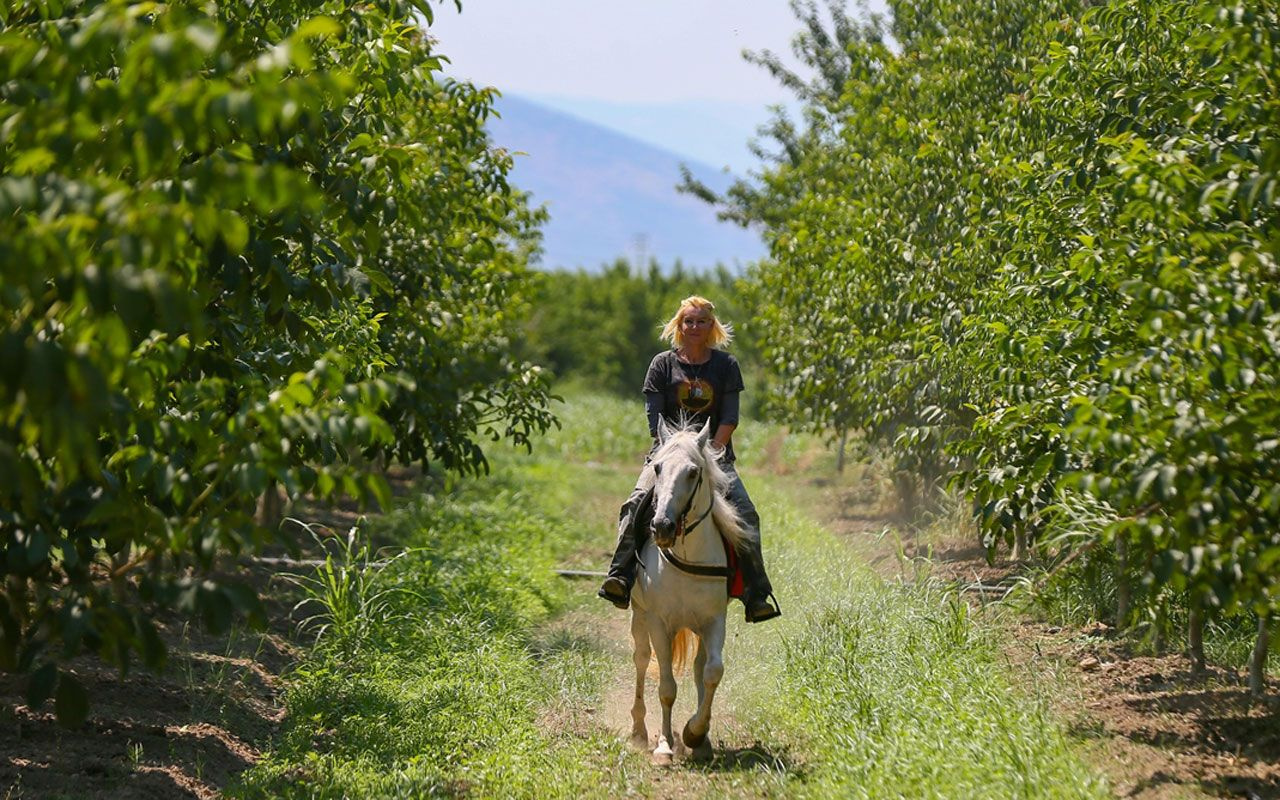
(704, 434)
(664, 430)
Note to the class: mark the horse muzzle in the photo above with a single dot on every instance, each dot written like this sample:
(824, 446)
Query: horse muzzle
(664, 532)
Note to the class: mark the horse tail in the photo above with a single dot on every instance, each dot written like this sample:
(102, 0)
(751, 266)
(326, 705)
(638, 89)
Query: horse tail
(684, 646)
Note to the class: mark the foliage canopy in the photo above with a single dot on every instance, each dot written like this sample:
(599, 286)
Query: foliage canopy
(1034, 247)
(242, 245)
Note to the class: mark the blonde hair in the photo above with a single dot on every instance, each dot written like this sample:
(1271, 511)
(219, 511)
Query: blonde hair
(721, 333)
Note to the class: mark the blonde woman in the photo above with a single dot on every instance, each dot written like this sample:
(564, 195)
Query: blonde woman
(694, 381)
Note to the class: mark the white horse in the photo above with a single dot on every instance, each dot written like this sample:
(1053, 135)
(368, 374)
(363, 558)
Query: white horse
(682, 586)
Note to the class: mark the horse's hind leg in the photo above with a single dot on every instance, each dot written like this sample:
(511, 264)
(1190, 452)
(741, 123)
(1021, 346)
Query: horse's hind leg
(708, 676)
(640, 637)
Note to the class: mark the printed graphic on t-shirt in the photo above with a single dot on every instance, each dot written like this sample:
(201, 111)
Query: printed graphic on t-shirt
(695, 395)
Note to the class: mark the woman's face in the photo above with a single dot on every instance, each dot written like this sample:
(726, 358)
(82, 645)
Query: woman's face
(695, 325)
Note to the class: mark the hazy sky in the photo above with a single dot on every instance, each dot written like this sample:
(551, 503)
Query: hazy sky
(669, 72)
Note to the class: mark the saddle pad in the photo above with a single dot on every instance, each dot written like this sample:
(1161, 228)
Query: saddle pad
(735, 570)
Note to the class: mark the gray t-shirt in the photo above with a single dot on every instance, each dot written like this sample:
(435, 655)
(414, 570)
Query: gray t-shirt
(696, 392)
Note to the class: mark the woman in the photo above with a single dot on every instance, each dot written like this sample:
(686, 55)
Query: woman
(693, 381)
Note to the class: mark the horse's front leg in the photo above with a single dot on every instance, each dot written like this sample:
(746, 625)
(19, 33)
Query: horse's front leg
(710, 652)
(699, 668)
(640, 637)
(660, 637)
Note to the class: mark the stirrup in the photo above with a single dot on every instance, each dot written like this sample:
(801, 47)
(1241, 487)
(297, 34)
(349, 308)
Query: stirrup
(621, 601)
(762, 615)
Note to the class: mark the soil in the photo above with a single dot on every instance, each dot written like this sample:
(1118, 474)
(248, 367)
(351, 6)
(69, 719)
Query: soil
(182, 733)
(186, 731)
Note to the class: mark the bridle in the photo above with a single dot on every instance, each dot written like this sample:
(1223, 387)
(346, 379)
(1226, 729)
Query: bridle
(682, 527)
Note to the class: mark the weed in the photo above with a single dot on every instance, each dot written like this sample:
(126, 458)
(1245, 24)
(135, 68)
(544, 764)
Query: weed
(352, 599)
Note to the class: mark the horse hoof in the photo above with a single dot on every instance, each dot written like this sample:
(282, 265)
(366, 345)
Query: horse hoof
(690, 740)
(663, 755)
(702, 753)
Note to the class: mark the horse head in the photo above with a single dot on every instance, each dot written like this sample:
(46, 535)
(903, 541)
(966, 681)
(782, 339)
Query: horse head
(680, 469)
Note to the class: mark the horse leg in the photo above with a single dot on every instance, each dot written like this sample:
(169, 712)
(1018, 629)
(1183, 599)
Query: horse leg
(661, 641)
(699, 750)
(699, 668)
(699, 725)
(640, 637)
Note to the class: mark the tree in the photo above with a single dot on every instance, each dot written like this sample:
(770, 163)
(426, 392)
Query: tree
(241, 245)
(1034, 248)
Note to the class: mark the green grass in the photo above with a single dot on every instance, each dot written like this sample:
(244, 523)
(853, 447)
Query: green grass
(443, 692)
(457, 681)
(889, 689)
(597, 427)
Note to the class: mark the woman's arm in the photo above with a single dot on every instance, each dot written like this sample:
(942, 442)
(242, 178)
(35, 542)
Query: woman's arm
(652, 408)
(728, 419)
(724, 434)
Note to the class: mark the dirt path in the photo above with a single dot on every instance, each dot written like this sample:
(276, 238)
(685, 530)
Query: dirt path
(741, 767)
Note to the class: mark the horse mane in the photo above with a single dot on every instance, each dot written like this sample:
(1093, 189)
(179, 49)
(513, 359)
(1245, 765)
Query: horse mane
(726, 517)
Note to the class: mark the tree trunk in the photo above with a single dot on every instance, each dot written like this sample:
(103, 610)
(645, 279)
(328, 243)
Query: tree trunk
(1158, 638)
(1124, 597)
(905, 483)
(1258, 664)
(19, 604)
(270, 512)
(844, 437)
(1019, 545)
(119, 581)
(1195, 633)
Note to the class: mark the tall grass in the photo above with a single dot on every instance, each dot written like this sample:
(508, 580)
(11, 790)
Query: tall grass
(598, 427)
(443, 691)
(887, 689)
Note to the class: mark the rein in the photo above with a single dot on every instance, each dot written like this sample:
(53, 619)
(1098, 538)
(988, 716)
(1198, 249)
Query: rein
(702, 570)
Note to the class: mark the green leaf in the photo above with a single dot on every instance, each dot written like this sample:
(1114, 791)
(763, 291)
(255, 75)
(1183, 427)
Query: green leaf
(318, 27)
(234, 231)
(1166, 489)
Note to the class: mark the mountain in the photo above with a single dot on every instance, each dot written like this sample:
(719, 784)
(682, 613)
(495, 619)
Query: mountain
(611, 196)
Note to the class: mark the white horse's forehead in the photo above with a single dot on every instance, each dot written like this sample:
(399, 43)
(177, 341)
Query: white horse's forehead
(678, 451)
